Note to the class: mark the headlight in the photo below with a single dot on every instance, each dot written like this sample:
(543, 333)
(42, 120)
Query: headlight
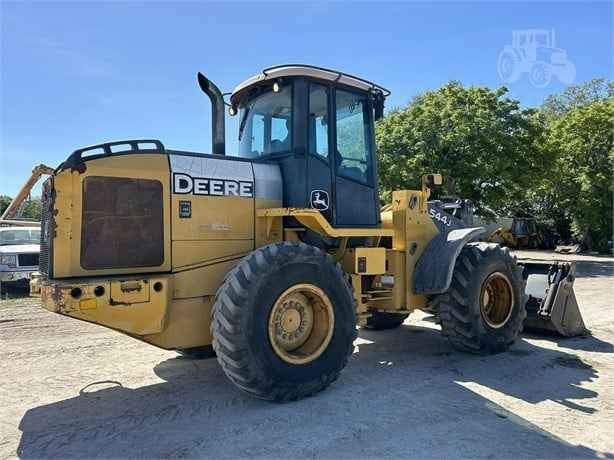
(10, 259)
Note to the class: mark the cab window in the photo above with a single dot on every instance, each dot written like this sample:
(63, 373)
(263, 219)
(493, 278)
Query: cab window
(353, 155)
(318, 120)
(12, 236)
(265, 125)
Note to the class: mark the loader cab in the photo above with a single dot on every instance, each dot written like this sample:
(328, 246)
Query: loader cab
(318, 126)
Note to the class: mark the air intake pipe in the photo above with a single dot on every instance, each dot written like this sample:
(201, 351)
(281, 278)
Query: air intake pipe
(218, 128)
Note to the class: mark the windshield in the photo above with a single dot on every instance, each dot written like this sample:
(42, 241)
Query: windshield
(19, 236)
(265, 124)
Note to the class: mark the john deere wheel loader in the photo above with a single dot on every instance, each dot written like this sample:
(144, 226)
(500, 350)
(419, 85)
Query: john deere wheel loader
(271, 257)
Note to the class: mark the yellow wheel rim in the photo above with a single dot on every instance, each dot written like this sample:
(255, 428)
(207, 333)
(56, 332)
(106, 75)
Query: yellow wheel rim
(496, 300)
(301, 324)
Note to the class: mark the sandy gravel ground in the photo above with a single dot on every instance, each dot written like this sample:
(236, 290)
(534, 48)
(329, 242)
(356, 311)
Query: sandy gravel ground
(71, 389)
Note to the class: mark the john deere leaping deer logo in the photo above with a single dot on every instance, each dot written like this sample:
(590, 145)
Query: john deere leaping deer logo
(534, 52)
(319, 200)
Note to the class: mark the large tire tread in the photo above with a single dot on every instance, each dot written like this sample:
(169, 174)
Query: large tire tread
(230, 340)
(459, 320)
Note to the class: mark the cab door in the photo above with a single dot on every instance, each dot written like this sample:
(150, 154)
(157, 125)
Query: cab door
(320, 187)
(354, 168)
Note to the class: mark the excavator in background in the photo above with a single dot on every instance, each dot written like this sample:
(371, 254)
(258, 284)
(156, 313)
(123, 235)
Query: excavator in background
(10, 216)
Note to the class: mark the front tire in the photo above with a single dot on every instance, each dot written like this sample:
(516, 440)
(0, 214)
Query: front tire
(284, 322)
(484, 308)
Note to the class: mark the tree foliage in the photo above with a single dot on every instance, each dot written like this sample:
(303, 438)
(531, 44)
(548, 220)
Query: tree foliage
(31, 209)
(580, 184)
(483, 142)
(555, 163)
(4, 203)
(576, 96)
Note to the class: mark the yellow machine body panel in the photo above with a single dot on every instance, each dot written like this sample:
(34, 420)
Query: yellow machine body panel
(204, 233)
(69, 185)
(414, 229)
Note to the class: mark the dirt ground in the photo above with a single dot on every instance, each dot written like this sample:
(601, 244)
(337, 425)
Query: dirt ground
(71, 389)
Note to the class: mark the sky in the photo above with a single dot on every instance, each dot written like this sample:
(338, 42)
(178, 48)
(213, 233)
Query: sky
(79, 73)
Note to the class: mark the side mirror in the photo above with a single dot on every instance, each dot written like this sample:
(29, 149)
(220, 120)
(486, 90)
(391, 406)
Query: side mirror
(431, 180)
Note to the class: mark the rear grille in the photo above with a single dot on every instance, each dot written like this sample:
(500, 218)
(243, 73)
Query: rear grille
(123, 223)
(47, 229)
(27, 260)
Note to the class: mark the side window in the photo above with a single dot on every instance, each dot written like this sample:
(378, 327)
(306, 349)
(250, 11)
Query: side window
(257, 144)
(318, 120)
(280, 134)
(353, 155)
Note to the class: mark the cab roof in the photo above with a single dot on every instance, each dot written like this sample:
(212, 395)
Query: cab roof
(17, 227)
(305, 70)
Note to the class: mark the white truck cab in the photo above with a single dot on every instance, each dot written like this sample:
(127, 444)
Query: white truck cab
(19, 252)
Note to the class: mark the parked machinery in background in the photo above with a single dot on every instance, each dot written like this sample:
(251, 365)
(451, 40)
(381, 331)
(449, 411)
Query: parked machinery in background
(525, 233)
(20, 239)
(10, 216)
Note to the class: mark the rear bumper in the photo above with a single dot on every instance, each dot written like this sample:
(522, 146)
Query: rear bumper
(136, 306)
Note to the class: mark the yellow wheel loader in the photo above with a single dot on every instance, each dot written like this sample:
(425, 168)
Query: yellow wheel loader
(271, 257)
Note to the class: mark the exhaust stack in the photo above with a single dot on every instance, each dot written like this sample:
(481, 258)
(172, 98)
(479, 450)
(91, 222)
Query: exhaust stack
(218, 128)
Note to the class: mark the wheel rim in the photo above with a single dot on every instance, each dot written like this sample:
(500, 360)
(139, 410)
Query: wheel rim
(496, 300)
(301, 324)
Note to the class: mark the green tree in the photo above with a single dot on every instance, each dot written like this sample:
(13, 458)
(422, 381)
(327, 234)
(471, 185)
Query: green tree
(581, 181)
(486, 146)
(32, 209)
(575, 96)
(4, 202)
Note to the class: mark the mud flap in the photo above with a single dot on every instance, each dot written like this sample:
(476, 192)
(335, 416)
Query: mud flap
(552, 306)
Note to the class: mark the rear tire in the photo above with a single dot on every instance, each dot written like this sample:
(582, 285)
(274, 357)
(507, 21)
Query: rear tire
(484, 308)
(379, 321)
(284, 322)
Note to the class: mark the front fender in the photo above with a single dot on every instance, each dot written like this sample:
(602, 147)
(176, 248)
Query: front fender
(433, 273)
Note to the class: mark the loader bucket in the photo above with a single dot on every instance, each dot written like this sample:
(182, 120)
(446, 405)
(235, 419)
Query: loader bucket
(552, 306)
